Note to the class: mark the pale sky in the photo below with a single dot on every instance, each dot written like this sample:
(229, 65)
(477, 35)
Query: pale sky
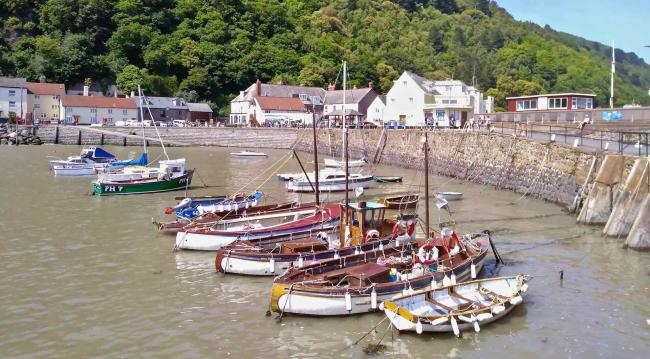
(627, 22)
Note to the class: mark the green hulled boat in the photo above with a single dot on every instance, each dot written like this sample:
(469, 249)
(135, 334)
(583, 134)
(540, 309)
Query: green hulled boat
(148, 186)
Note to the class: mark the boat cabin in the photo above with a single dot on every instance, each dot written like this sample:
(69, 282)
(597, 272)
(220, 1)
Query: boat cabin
(360, 218)
(173, 167)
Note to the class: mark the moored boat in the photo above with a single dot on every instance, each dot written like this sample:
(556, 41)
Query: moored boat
(330, 162)
(260, 229)
(74, 170)
(457, 307)
(170, 176)
(330, 181)
(449, 196)
(388, 179)
(357, 284)
(190, 208)
(248, 153)
(402, 202)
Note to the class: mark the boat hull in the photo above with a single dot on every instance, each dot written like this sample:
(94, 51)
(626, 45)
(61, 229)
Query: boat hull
(137, 187)
(86, 170)
(330, 186)
(449, 196)
(340, 164)
(305, 300)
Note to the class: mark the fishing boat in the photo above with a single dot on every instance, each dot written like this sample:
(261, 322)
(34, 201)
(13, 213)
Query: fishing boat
(170, 175)
(248, 153)
(211, 218)
(330, 181)
(388, 179)
(259, 229)
(330, 162)
(402, 202)
(370, 232)
(192, 207)
(457, 307)
(449, 196)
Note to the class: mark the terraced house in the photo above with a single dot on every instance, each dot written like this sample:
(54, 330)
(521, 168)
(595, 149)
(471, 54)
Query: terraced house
(87, 110)
(44, 101)
(13, 97)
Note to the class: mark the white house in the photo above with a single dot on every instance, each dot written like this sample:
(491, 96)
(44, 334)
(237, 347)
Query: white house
(86, 110)
(270, 111)
(13, 97)
(375, 113)
(357, 102)
(416, 101)
(243, 107)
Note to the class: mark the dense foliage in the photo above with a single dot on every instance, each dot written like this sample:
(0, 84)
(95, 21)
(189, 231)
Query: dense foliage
(211, 49)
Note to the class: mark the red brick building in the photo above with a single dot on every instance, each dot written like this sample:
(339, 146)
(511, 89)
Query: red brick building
(560, 101)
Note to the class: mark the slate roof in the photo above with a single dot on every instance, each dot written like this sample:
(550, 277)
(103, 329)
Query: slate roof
(280, 91)
(199, 107)
(13, 81)
(172, 103)
(97, 102)
(280, 103)
(352, 96)
(42, 88)
(425, 85)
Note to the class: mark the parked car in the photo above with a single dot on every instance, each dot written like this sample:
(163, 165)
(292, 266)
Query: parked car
(179, 123)
(368, 124)
(395, 124)
(147, 123)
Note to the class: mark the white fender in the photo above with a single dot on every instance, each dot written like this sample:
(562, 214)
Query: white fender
(435, 253)
(381, 306)
(418, 327)
(434, 284)
(484, 316)
(301, 262)
(373, 299)
(184, 203)
(356, 251)
(272, 265)
(473, 270)
(465, 319)
(336, 255)
(439, 321)
(476, 326)
(446, 281)
(454, 250)
(348, 301)
(516, 300)
(405, 291)
(381, 247)
(453, 278)
(410, 290)
(524, 288)
(498, 309)
(454, 326)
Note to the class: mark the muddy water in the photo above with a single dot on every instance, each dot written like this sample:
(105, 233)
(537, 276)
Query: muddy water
(90, 277)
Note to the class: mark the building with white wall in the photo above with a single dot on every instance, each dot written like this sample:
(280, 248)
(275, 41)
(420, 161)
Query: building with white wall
(375, 113)
(243, 107)
(281, 111)
(356, 101)
(86, 110)
(13, 97)
(416, 101)
(44, 100)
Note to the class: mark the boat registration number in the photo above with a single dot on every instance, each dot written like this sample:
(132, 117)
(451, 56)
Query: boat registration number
(113, 188)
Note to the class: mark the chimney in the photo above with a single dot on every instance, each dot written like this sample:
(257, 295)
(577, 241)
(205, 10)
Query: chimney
(371, 85)
(302, 84)
(41, 79)
(132, 94)
(86, 90)
(331, 87)
(258, 88)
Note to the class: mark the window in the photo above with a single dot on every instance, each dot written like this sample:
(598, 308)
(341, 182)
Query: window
(303, 96)
(56, 115)
(36, 97)
(54, 107)
(557, 102)
(449, 102)
(526, 105)
(68, 110)
(12, 93)
(315, 99)
(12, 103)
(43, 115)
(110, 110)
(125, 112)
(582, 103)
(37, 105)
(404, 83)
(411, 99)
(93, 120)
(93, 110)
(55, 97)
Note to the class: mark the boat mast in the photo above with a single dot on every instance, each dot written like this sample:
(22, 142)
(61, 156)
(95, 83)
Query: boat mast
(313, 120)
(426, 184)
(141, 102)
(345, 139)
(162, 143)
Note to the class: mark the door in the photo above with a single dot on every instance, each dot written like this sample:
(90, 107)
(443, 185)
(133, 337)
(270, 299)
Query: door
(463, 118)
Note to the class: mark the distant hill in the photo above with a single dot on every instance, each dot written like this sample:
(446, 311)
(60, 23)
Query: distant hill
(211, 49)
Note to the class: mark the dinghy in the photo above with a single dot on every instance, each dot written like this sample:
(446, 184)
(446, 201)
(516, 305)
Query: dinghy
(402, 202)
(455, 308)
(388, 179)
(329, 162)
(330, 181)
(449, 196)
(248, 153)
(370, 233)
(74, 170)
(356, 284)
(190, 208)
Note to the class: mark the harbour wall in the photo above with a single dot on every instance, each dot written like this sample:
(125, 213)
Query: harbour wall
(601, 188)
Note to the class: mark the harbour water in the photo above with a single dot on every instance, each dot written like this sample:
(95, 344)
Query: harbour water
(90, 277)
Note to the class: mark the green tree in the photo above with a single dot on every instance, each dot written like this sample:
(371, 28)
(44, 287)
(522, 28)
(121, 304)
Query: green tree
(129, 79)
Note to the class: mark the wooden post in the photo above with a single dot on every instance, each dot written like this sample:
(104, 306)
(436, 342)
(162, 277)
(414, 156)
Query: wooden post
(123, 141)
(101, 139)
(78, 137)
(56, 135)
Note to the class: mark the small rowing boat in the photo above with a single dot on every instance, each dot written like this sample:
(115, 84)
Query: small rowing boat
(449, 196)
(330, 181)
(248, 153)
(388, 179)
(329, 162)
(456, 307)
(402, 202)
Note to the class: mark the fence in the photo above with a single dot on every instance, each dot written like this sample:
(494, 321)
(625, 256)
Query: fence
(569, 116)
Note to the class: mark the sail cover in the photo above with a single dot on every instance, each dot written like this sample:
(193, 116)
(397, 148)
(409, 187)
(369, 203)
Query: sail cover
(143, 161)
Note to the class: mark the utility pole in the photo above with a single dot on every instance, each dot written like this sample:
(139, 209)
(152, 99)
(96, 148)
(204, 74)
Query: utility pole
(611, 84)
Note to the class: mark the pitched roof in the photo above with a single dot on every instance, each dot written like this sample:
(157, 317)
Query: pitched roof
(199, 107)
(351, 96)
(425, 85)
(172, 103)
(553, 95)
(280, 91)
(42, 88)
(12, 81)
(280, 103)
(97, 101)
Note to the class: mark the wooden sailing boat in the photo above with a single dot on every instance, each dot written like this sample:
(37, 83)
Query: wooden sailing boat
(171, 175)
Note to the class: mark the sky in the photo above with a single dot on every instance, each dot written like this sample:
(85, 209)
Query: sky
(623, 21)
